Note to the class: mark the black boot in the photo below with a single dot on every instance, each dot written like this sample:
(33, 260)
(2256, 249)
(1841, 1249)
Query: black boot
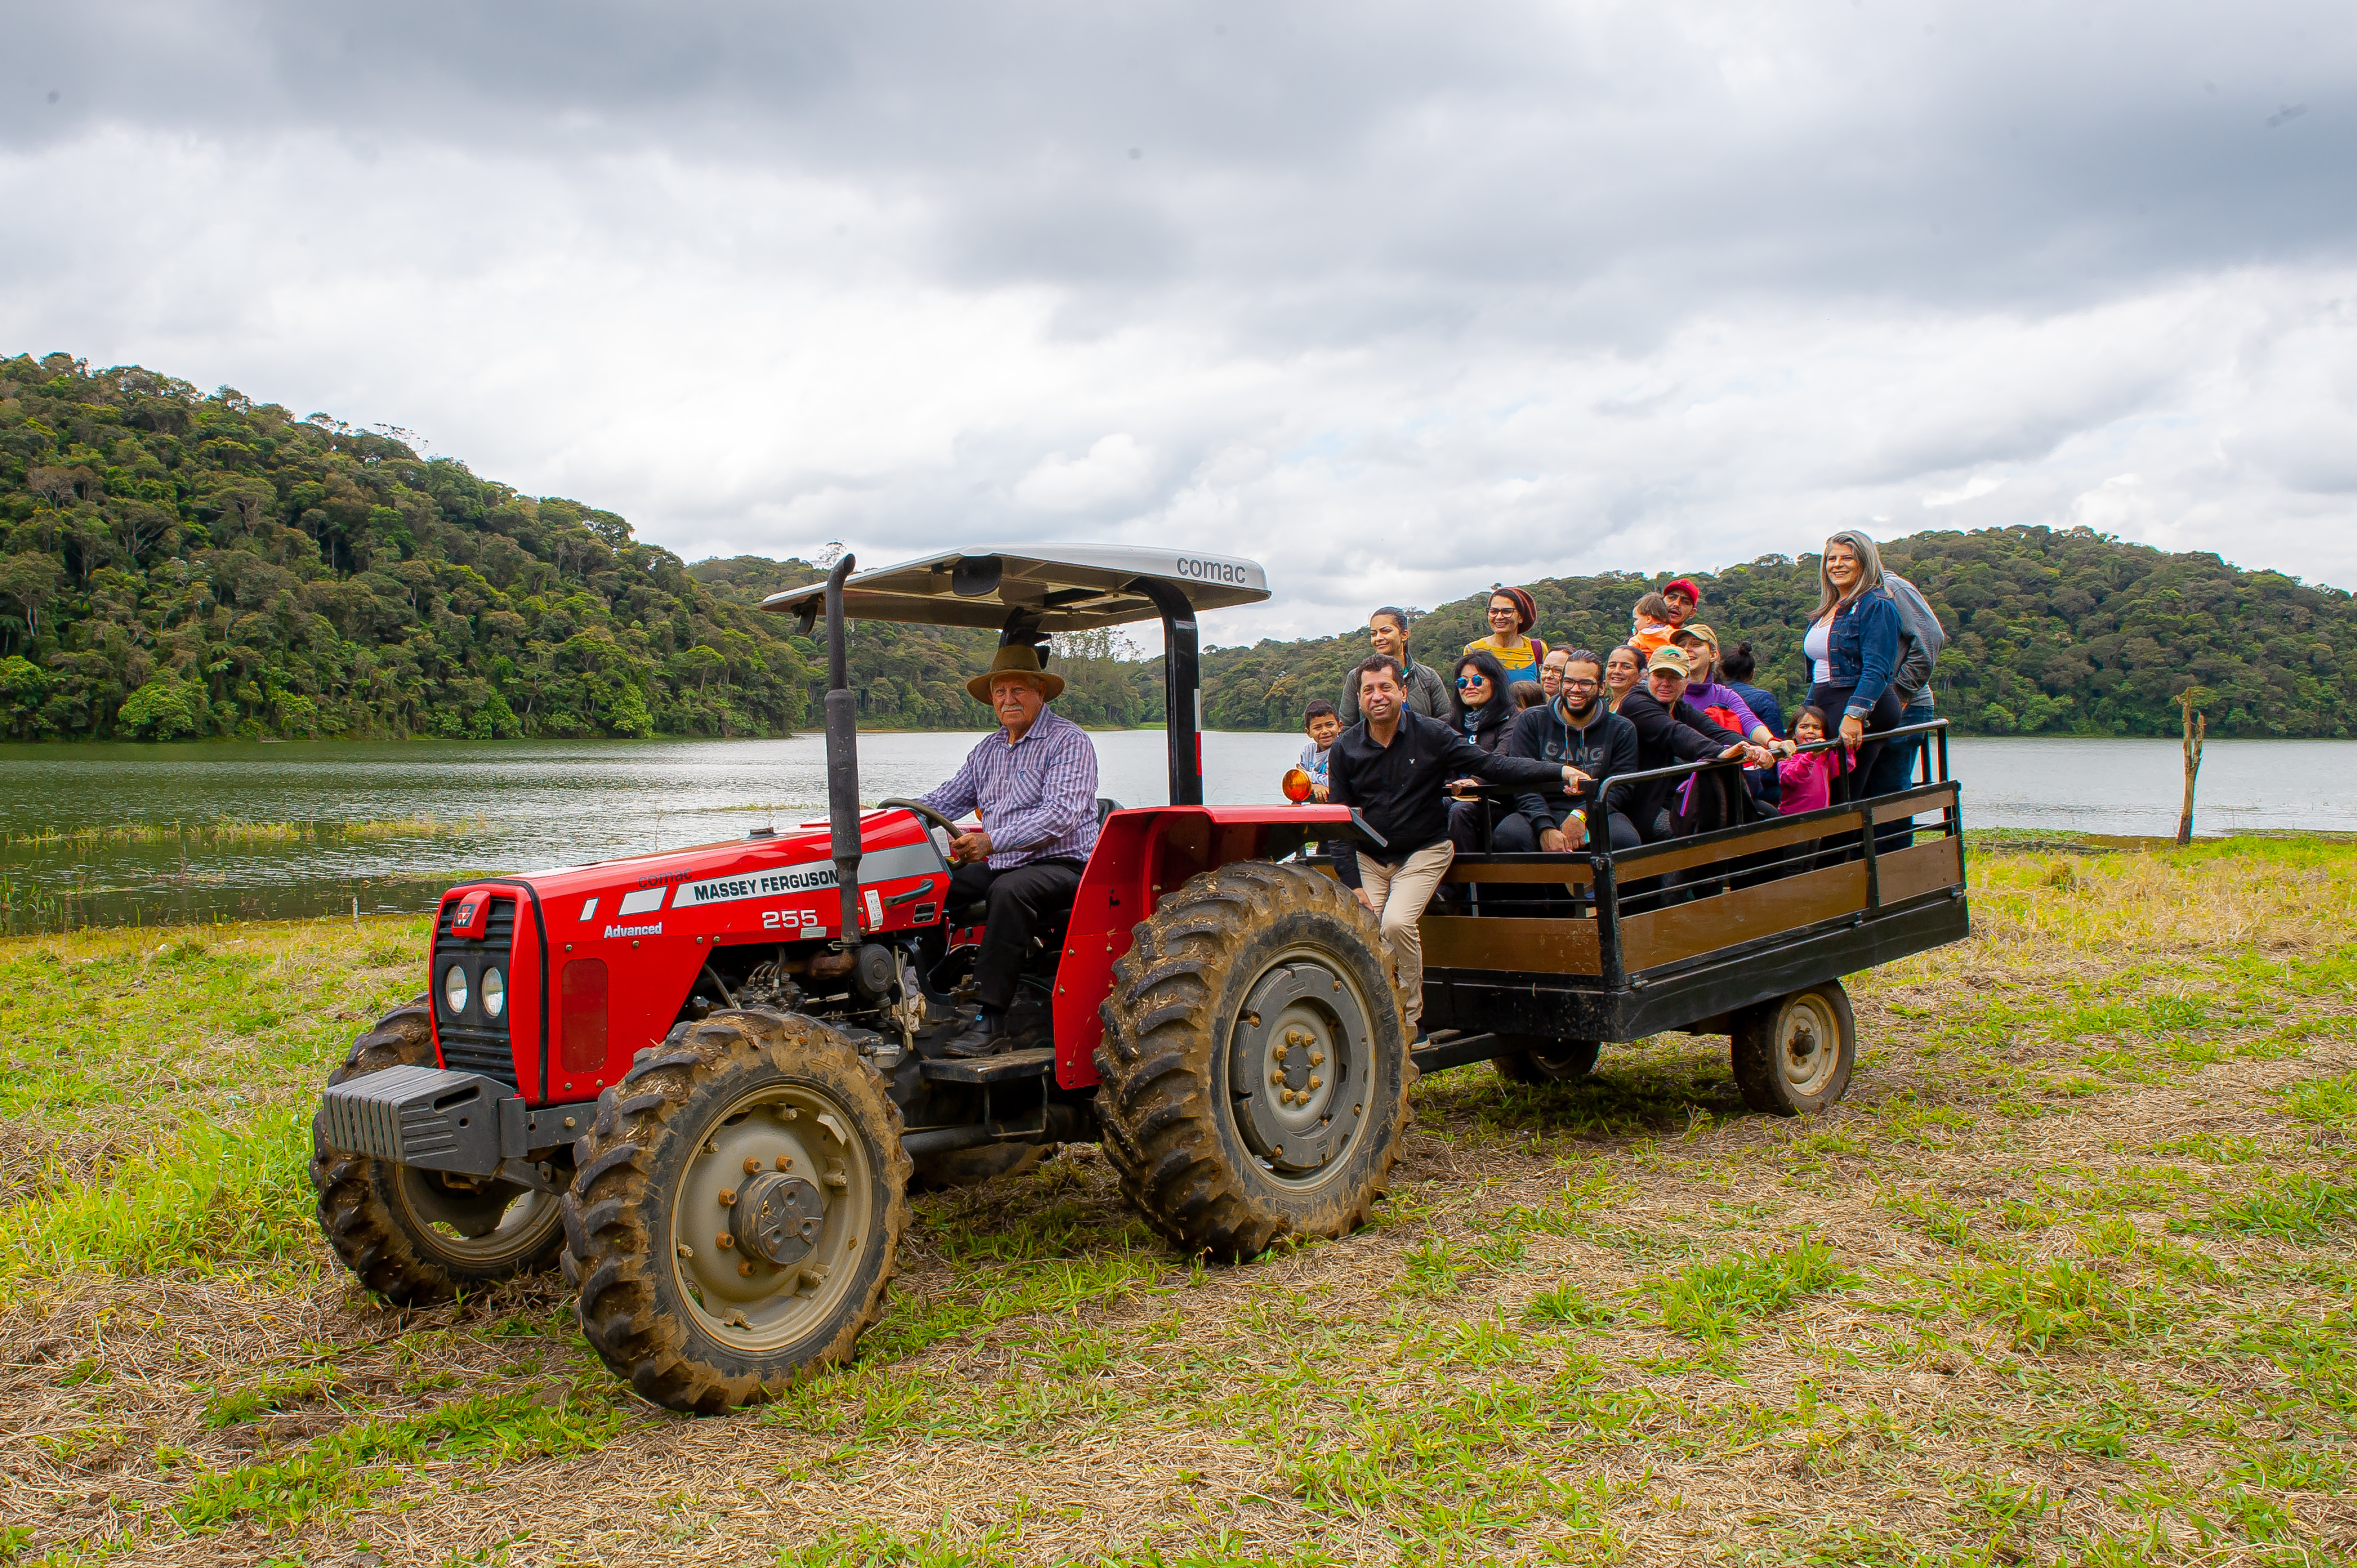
(985, 1036)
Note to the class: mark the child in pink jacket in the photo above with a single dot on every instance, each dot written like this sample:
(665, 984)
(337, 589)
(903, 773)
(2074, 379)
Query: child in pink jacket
(1807, 777)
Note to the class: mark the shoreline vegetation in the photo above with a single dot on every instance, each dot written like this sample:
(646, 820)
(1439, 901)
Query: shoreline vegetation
(2068, 1278)
(179, 565)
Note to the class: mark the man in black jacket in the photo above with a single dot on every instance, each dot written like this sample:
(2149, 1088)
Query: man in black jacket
(1579, 729)
(1395, 766)
(1670, 730)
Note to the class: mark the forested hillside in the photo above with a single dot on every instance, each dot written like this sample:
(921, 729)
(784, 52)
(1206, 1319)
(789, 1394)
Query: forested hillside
(2052, 632)
(178, 563)
(184, 565)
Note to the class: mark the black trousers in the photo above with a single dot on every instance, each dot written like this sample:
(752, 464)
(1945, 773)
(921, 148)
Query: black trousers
(1850, 783)
(1018, 896)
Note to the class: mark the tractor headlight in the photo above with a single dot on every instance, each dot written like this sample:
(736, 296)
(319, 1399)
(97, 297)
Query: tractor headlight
(495, 993)
(454, 988)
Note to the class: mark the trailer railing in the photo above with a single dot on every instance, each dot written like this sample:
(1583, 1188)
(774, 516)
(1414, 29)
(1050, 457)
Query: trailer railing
(1610, 920)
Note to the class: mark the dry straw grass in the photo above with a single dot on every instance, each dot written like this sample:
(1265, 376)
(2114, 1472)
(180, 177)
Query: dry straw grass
(2067, 1279)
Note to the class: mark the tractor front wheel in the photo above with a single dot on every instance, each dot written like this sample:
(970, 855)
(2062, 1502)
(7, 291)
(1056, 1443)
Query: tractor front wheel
(738, 1210)
(413, 1235)
(1254, 1066)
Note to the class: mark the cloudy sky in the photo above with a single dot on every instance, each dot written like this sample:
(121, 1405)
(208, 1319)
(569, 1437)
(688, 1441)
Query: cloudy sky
(1400, 300)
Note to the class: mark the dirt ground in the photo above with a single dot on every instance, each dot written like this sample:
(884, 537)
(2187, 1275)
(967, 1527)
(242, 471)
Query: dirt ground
(2068, 1278)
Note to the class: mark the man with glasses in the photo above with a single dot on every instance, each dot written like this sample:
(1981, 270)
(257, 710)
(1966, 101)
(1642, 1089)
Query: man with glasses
(1421, 687)
(1578, 729)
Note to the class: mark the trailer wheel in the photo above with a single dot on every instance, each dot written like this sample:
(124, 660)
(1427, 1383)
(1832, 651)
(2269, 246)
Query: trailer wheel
(738, 1211)
(1793, 1057)
(1538, 1059)
(1254, 1066)
(413, 1235)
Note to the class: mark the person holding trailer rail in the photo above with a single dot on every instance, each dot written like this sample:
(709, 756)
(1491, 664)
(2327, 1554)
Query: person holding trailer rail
(1852, 647)
(1395, 766)
(1670, 730)
(1579, 729)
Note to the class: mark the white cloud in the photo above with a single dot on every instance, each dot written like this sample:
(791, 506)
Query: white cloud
(1115, 471)
(1397, 305)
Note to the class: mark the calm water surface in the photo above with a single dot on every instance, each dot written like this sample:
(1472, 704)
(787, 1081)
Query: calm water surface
(444, 808)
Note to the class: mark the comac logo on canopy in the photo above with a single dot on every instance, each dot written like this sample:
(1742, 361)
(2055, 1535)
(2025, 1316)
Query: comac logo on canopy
(1210, 571)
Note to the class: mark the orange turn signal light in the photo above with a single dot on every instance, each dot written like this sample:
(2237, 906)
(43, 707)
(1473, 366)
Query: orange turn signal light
(1296, 785)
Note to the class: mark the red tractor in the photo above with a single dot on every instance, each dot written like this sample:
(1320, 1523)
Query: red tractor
(702, 1079)
(707, 1079)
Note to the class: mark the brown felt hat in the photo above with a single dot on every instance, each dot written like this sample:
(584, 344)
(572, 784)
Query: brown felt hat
(1017, 659)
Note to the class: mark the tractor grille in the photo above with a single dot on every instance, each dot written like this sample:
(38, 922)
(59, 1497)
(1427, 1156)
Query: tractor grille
(471, 1040)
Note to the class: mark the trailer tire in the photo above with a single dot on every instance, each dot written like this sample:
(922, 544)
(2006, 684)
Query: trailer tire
(385, 1221)
(1539, 1059)
(681, 1294)
(1253, 983)
(1793, 1057)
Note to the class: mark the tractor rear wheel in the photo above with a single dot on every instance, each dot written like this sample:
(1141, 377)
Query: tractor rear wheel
(1539, 1058)
(413, 1235)
(1254, 1069)
(1793, 1057)
(738, 1210)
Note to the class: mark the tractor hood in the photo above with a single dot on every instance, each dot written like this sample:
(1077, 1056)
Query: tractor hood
(744, 889)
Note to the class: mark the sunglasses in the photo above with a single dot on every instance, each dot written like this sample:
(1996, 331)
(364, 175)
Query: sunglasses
(1464, 681)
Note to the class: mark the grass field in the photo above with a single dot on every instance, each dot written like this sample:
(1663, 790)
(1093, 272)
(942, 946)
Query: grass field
(2068, 1279)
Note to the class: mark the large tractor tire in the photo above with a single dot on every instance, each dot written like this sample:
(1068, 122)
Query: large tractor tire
(414, 1235)
(1794, 1056)
(1254, 1066)
(738, 1211)
(1538, 1059)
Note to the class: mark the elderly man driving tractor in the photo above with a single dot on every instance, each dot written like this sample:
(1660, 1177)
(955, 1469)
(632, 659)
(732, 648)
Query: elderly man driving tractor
(1034, 784)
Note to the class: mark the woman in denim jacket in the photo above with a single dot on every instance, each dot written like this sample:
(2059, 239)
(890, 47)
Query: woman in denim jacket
(1852, 647)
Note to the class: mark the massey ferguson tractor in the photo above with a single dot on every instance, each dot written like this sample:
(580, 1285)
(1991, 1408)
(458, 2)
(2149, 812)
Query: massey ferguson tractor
(708, 1080)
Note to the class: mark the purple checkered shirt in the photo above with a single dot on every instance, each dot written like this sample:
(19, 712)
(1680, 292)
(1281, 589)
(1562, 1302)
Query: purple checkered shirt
(1038, 798)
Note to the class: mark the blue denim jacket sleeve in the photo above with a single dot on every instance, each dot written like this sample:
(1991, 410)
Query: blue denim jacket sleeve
(1873, 633)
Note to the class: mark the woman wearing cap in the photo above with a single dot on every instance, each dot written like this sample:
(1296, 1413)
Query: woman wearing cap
(1852, 647)
(1670, 730)
(1513, 613)
(1705, 691)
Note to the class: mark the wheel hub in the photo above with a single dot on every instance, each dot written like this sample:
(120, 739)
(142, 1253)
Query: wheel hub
(778, 1218)
(766, 1213)
(1297, 1068)
(1803, 1033)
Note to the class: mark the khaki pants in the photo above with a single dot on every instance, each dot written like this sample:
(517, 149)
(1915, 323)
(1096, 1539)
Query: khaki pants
(1398, 895)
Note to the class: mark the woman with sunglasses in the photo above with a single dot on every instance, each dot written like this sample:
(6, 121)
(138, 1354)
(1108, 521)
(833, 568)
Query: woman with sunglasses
(1482, 713)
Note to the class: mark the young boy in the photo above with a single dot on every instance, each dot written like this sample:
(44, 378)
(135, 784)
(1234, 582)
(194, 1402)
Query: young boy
(1322, 724)
(1652, 625)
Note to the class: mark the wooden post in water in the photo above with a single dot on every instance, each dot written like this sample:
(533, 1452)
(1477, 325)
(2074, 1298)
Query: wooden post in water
(2197, 728)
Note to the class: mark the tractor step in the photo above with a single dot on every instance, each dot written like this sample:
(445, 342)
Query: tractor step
(1009, 1068)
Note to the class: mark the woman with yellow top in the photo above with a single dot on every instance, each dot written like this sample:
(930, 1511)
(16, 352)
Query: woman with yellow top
(1513, 613)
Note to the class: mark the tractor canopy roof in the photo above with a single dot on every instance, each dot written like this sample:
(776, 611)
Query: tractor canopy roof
(1065, 587)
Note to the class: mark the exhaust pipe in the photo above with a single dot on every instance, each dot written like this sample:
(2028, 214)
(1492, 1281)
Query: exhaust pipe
(842, 758)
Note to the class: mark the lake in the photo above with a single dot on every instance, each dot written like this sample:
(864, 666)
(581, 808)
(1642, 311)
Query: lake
(90, 835)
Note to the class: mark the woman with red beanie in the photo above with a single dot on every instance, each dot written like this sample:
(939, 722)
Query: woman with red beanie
(1513, 613)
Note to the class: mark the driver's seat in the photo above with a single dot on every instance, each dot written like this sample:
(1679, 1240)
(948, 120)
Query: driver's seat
(970, 911)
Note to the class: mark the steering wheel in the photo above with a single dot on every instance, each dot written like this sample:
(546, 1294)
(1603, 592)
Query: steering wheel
(920, 809)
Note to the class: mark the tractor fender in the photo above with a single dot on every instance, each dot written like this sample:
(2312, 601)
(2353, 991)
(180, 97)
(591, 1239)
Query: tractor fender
(1141, 857)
